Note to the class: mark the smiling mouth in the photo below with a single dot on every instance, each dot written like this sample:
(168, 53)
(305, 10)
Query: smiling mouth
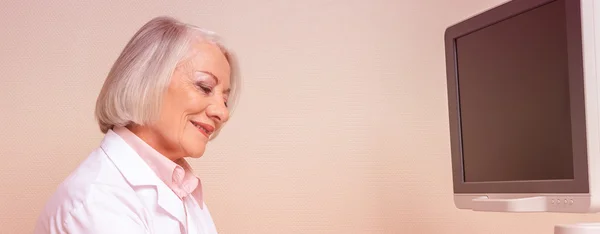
(205, 129)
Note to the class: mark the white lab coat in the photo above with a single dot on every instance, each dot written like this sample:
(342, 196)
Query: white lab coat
(114, 191)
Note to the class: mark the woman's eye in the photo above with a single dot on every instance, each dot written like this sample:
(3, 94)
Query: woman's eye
(205, 89)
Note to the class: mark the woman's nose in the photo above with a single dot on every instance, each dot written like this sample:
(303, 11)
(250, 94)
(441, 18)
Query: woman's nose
(219, 113)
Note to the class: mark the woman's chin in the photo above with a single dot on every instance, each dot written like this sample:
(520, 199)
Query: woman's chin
(194, 143)
(196, 155)
(195, 151)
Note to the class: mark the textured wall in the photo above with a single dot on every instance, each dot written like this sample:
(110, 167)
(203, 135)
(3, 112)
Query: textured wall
(342, 125)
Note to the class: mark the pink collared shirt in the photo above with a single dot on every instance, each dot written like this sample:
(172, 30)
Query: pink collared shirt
(177, 175)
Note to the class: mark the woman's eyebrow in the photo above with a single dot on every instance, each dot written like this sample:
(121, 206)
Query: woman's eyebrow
(210, 74)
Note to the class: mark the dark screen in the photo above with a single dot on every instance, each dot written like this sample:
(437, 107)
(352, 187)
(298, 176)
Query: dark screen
(514, 98)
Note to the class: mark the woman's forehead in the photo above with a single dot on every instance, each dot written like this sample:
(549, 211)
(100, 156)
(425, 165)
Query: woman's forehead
(208, 57)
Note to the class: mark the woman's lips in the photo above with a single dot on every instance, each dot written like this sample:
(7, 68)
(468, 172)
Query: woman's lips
(205, 129)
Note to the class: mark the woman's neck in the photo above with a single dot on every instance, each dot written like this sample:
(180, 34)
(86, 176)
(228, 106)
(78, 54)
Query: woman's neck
(156, 141)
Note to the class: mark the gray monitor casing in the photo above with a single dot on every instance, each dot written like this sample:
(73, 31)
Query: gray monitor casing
(577, 195)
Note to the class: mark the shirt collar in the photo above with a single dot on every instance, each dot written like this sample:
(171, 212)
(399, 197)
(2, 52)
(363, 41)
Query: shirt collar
(178, 175)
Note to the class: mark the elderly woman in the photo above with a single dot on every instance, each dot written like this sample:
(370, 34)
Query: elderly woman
(166, 96)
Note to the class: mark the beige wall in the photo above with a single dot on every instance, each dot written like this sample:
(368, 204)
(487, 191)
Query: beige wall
(342, 126)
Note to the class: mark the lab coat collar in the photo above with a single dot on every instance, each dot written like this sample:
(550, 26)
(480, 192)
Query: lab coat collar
(138, 173)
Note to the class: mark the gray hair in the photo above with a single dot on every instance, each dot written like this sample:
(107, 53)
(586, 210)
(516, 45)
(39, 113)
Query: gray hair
(133, 90)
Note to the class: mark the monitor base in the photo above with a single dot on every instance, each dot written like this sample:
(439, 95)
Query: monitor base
(578, 228)
(522, 204)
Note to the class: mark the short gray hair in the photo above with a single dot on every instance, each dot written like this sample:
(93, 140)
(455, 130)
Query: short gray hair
(133, 90)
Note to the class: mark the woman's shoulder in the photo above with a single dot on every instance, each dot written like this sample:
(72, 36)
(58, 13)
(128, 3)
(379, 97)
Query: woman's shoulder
(92, 191)
(94, 171)
(95, 180)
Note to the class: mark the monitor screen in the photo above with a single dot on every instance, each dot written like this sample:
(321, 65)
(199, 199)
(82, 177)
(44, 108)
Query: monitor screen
(513, 93)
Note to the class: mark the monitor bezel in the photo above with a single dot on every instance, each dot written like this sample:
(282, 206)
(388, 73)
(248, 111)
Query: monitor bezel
(576, 89)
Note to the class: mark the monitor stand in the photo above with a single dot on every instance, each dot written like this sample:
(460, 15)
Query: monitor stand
(577, 228)
(531, 204)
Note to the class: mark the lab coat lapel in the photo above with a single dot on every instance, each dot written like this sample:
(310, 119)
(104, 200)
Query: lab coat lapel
(138, 174)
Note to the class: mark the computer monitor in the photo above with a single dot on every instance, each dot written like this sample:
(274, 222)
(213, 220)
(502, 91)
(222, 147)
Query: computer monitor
(524, 115)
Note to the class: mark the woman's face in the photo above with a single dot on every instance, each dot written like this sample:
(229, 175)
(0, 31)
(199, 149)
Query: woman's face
(195, 103)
